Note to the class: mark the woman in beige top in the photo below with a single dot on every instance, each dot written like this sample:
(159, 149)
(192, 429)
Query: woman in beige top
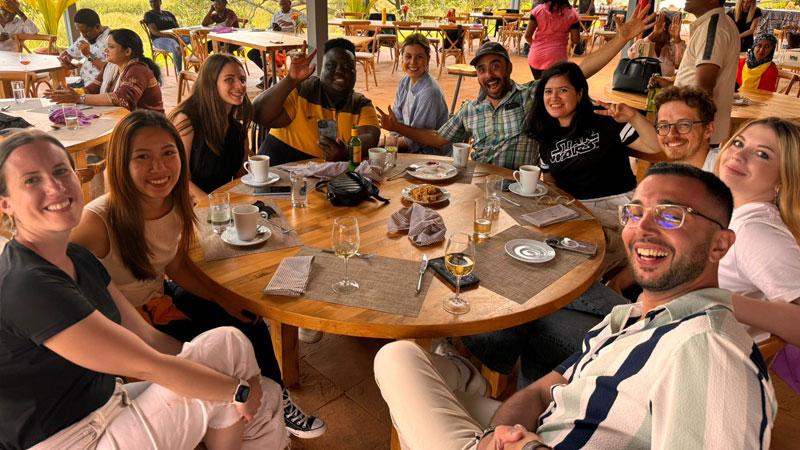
(141, 232)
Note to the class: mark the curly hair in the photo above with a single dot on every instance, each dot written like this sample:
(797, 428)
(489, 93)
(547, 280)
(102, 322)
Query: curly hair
(693, 97)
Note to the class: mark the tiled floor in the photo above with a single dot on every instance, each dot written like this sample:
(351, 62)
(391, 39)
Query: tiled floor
(336, 374)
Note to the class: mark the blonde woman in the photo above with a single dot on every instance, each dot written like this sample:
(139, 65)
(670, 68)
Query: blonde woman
(747, 17)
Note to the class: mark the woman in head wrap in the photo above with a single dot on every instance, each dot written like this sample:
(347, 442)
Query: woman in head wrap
(756, 70)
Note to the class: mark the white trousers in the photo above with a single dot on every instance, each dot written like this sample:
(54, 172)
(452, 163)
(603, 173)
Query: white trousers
(426, 412)
(146, 416)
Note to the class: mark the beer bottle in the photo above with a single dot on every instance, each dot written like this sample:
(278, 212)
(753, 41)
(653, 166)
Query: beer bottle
(354, 148)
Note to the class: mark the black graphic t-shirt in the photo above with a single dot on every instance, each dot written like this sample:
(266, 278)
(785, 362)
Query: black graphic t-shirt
(592, 162)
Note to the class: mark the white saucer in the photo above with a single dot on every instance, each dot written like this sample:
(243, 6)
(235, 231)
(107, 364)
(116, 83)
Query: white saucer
(530, 251)
(229, 236)
(517, 189)
(248, 180)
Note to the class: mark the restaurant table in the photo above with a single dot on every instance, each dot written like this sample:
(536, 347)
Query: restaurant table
(462, 70)
(10, 67)
(246, 276)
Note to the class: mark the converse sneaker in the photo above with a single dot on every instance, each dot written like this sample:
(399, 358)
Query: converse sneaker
(298, 423)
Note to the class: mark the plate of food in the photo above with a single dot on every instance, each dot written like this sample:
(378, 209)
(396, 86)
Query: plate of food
(425, 194)
(434, 171)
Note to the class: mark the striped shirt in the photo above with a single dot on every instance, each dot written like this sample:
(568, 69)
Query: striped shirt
(686, 376)
(499, 133)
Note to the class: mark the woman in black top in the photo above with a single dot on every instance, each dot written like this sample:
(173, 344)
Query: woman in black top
(213, 123)
(65, 329)
(747, 17)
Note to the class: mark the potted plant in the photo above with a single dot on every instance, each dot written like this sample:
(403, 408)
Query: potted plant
(50, 13)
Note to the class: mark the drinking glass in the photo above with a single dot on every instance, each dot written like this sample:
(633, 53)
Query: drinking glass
(392, 141)
(24, 59)
(486, 213)
(494, 186)
(459, 259)
(18, 89)
(70, 115)
(299, 190)
(345, 241)
(219, 210)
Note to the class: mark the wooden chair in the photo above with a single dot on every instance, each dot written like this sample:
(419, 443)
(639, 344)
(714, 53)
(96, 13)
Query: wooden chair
(357, 27)
(433, 36)
(366, 55)
(92, 181)
(410, 28)
(243, 23)
(453, 38)
(788, 89)
(509, 35)
(28, 78)
(190, 60)
(199, 40)
(586, 24)
(353, 15)
(156, 52)
(185, 80)
(35, 80)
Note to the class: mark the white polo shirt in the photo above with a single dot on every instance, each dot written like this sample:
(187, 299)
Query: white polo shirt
(16, 26)
(713, 39)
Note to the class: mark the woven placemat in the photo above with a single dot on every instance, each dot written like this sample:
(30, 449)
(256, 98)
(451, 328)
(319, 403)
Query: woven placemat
(214, 248)
(517, 280)
(533, 204)
(374, 292)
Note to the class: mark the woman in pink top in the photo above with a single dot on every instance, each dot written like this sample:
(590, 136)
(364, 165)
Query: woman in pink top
(553, 21)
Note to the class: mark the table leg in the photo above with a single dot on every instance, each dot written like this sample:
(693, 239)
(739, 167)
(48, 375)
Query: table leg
(274, 66)
(285, 344)
(455, 95)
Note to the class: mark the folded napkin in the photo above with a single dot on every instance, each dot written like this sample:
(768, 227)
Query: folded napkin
(552, 215)
(57, 116)
(425, 226)
(323, 171)
(291, 278)
(369, 172)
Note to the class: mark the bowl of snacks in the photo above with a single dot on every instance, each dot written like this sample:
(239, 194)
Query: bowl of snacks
(425, 194)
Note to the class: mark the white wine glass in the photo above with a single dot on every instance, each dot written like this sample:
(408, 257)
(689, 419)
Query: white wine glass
(345, 241)
(459, 259)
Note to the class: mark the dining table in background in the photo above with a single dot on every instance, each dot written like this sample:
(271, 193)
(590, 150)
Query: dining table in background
(247, 275)
(12, 70)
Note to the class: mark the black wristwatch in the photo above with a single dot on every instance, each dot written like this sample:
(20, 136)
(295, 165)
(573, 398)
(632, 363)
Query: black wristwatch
(486, 431)
(242, 392)
(535, 444)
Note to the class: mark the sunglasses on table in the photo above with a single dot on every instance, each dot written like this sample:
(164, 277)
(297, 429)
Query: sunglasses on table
(667, 216)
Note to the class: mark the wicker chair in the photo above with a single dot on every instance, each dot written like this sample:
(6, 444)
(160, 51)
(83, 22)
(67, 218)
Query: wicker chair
(34, 80)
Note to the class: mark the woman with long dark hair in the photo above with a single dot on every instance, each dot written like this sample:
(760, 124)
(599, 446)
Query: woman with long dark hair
(141, 231)
(67, 332)
(130, 79)
(551, 25)
(213, 123)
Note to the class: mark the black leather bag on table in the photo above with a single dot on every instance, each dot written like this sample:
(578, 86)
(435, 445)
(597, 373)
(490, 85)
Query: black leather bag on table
(632, 75)
(350, 189)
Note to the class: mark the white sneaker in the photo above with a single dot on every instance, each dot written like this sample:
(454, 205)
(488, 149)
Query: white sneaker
(309, 336)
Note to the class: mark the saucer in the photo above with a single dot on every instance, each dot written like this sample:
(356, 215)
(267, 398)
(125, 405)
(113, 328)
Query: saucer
(229, 236)
(530, 251)
(248, 180)
(538, 192)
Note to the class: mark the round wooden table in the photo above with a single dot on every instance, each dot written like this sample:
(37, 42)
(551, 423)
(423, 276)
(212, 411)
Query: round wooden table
(246, 276)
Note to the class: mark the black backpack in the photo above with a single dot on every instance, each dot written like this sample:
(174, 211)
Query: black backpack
(350, 189)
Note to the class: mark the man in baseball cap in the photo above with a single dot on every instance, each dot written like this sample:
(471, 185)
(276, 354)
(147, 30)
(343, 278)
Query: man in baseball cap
(496, 118)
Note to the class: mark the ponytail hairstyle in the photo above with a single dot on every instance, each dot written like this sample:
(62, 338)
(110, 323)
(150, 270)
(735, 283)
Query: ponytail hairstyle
(129, 40)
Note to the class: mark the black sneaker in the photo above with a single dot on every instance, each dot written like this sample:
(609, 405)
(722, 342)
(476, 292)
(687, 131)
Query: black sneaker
(298, 423)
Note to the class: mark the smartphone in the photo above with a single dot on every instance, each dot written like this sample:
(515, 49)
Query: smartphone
(272, 190)
(327, 128)
(467, 282)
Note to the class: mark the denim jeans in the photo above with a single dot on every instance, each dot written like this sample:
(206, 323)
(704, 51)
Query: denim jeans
(170, 45)
(543, 344)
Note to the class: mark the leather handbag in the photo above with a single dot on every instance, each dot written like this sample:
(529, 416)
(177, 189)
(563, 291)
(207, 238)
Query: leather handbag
(632, 75)
(350, 189)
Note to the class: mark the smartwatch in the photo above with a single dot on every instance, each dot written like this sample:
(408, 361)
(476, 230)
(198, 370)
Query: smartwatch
(242, 392)
(486, 431)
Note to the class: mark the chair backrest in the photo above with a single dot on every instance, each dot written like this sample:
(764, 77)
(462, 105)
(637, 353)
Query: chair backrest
(353, 15)
(406, 26)
(452, 37)
(199, 40)
(357, 27)
(22, 38)
(185, 80)
(92, 181)
(146, 30)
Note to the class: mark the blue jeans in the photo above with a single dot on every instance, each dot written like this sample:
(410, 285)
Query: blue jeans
(171, 45)
(543, 344)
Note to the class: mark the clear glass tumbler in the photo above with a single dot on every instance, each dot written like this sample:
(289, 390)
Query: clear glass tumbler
(299, 190)
(219, 210)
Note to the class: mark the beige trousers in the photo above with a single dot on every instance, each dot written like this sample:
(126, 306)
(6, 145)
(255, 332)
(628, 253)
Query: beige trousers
(605, 209)
(426, 412)
(146, 416)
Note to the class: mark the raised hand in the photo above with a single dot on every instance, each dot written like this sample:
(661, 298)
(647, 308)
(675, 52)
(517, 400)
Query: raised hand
(620, 112)
(639, 22)
(62, 95)
(659, 27)
(675, 29)
(332, 150)
(302, 66)
(388, 121)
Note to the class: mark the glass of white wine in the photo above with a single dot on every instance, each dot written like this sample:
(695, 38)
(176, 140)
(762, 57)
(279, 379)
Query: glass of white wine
(459, 259)
(345, 241)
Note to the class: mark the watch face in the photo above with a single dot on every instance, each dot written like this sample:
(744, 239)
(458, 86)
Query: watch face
(242, 392)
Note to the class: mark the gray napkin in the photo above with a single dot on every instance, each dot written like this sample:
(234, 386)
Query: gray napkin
(369, 172)
(323, 171)
(291, 278)
(425, 226)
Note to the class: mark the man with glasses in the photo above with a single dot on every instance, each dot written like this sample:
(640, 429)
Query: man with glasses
(685, 125)
(674, 370)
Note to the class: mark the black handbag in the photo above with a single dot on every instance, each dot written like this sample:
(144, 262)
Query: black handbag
(632, 75)
(350, 189)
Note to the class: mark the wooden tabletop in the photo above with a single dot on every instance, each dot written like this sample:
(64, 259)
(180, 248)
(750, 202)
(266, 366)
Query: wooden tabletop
(424, 25)
(246, 276)
(262, 40)
(462, 69)
(9, 63)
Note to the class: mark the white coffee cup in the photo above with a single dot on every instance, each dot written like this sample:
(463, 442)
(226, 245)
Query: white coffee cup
(258, 167)
(528, 178)
(245, 220)
(460, 154)
(377, 157)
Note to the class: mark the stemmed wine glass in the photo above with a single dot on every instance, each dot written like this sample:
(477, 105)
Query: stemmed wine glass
(345, 240)
(24, 59)
(459, 259)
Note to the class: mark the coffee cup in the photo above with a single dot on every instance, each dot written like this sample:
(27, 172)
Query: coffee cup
(377, 157)
(245, 220)
(528, 178)
(258, 167)
(460, 154)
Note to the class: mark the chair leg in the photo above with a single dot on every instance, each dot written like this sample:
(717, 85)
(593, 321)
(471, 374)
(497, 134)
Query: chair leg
(366, 76)
(374, 78)
(497, 381)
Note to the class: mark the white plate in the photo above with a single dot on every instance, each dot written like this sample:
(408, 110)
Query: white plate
(517, 189)
(528, 250)
(229, 236)
(248, 180)
(435, 171)
(406, 193)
